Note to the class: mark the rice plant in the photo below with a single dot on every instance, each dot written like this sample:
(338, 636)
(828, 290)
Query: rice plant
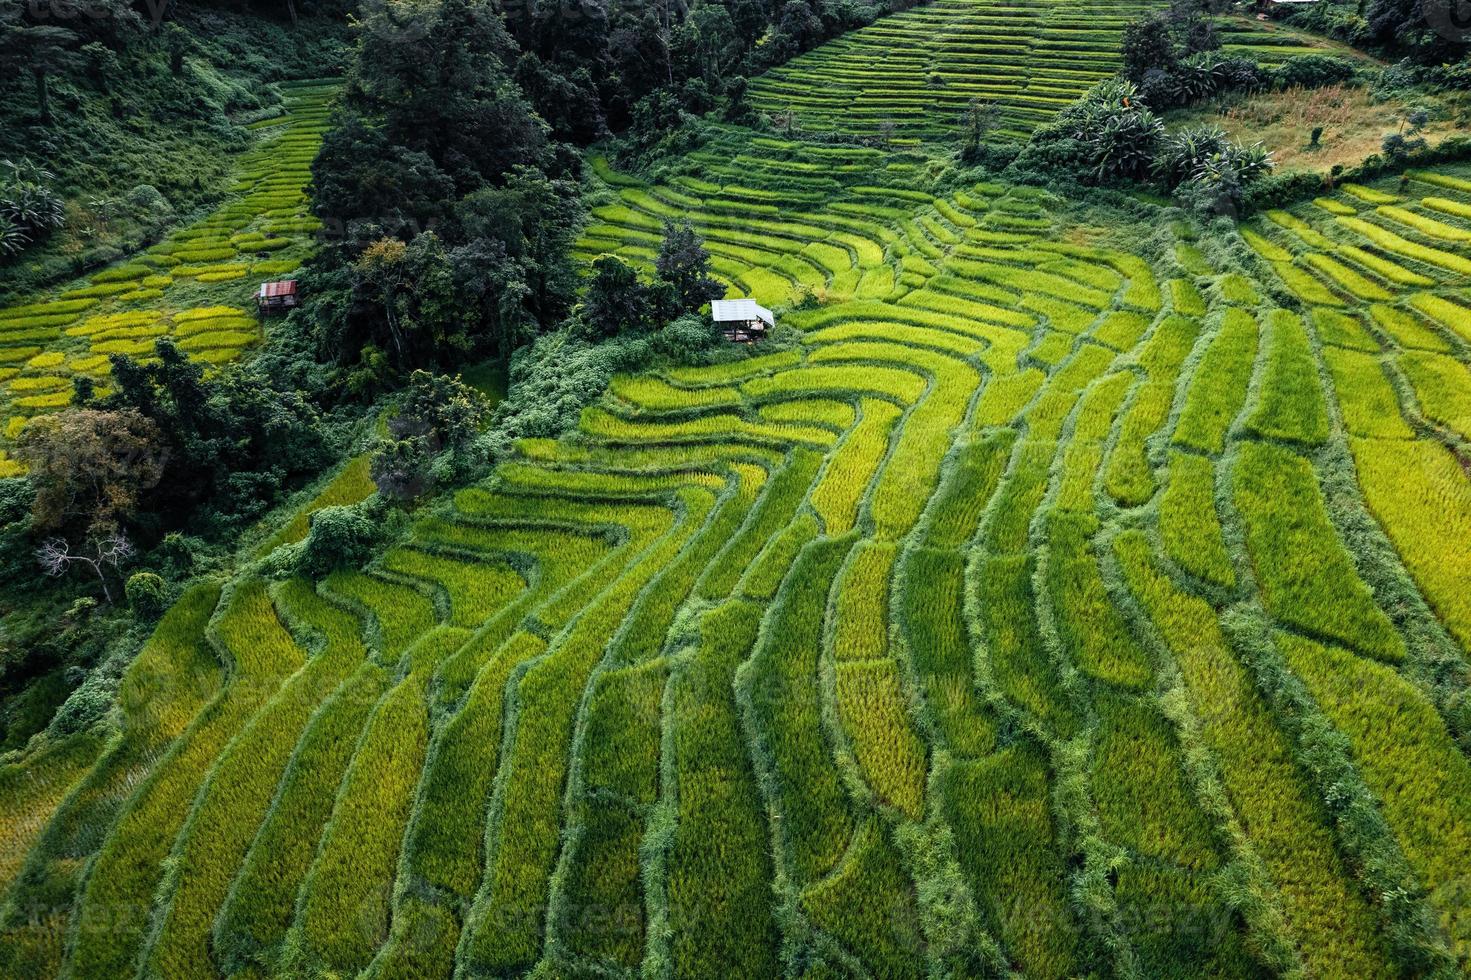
(1290, 404)
(1307, 578)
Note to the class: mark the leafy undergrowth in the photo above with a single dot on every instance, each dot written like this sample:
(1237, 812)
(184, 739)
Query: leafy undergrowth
(137, 146)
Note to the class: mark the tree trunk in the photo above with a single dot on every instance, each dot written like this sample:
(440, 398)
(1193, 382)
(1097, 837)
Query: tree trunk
(43, 93)
(291, 6)
(106, 592)
(398, 343)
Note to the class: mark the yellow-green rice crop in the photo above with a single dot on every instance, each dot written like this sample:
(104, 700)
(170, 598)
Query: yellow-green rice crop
(1129, 477)
(1398, 245)
(1318, 898)
(836, 496)
(1370, 406)
(1443, 388)
(1406, 329)
(132, 861)
(1290, 405)
(1188, 524)
(1218, 389)
(1306, 576)
(1452, 316)
(1003, 618)
(1418, 490)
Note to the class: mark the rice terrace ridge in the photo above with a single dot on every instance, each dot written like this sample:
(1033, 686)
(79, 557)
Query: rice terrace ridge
(747, 490)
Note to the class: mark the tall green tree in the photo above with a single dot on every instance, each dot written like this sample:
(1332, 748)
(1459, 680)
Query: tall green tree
(684, 264)
(615, 300)
(233, 441)
(707, 45)
(91, 469)
(536, 218)
(1148, 45)
(436, 76)
(37, 50)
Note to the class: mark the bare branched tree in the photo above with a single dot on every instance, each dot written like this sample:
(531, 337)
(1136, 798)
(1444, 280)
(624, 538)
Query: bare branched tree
(977, 120)
(99, 552)
(787, 121)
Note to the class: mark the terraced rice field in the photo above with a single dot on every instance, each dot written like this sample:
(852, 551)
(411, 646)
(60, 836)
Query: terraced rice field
(915, 72)
(1381, 273)
(195, 286)
(785, 220)
(1046, 606)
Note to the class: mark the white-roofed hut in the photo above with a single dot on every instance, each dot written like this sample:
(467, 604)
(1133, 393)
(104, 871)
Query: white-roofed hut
(743, 321)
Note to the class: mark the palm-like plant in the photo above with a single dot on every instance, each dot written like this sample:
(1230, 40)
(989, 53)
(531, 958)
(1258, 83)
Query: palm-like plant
(1220, 179)
(13, 238)
(1184, 150)
(32, 206)
(1194, 82)
(1252, 162)
(26, 201)
(1124, 143)
(26, 171)
(1117, 127)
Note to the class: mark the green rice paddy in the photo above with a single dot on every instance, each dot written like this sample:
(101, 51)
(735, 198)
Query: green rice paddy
(913, 74)
(1045, 606)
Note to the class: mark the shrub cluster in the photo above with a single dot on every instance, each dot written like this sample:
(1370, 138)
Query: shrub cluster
(1111, 137)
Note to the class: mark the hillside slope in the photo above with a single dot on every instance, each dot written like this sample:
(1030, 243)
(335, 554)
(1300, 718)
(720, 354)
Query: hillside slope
(1074, 594)
(196, 286)
(146, 119)
(912, 74)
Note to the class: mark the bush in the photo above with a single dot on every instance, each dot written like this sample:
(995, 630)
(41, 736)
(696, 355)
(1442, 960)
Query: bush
(339, 537)
(147, 594)
(1156, 87)
(686, 338)
(147, 202)
(401, 468)
(17, 564)
(1313, 71)
(1199, 77)
(1108, 135)
(554, 379)
(86, 704)
(1209, 173)
(1183, 152)
(1458, 715)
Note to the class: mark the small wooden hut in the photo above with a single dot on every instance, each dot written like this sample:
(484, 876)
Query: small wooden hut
(277, 297)
(743, 321)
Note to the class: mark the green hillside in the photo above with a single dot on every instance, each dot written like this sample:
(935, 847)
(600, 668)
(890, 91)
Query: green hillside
(916, 71)
(196, 286)
(1067, 588)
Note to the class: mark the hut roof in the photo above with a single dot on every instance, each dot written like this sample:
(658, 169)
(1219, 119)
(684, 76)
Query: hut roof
(739, 310)
(270, 290)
